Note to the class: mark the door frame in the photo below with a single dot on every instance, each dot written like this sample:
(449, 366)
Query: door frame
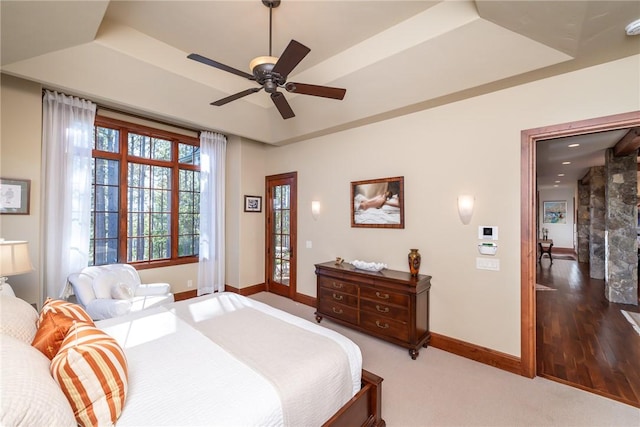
(293, 232)
(528, 202)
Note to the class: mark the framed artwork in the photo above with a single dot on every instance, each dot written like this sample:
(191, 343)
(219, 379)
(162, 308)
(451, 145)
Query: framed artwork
(378, 203)
(555, 212)
(252, 204)
(14, 196)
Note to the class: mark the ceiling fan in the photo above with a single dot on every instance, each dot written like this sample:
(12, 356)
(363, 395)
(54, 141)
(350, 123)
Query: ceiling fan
(272, 72)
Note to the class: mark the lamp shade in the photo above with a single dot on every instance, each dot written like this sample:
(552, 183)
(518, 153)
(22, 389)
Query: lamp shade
(14, 258)
(315, 209)
(465, 208)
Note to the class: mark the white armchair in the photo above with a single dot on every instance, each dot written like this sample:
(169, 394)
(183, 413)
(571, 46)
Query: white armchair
(113, 290)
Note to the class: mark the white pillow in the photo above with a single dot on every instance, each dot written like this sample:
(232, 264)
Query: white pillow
(121, 291)
(128, 274)
(103, 283)
(18, 318)
(29, 396)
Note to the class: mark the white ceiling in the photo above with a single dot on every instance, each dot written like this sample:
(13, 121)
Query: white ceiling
(393, 57)
(552, 153)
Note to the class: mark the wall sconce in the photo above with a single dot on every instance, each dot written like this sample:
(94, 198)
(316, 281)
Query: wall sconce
(14, 259)
(465, 208)
(315, 209)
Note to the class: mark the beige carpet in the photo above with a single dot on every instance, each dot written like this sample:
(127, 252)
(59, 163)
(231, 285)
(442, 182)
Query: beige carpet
(540, 287)
(441, 389)
(633, 318)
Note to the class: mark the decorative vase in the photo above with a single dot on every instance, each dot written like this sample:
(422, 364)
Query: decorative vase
(414, 262)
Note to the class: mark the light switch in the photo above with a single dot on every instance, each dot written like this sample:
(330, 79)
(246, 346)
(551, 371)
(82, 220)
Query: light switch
(309, 244)
(492, 264)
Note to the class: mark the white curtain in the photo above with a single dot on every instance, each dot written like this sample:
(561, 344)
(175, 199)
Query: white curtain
(67, 141)
(213, 148)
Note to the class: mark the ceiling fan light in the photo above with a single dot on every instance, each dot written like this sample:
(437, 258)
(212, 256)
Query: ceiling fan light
(260, 60)
(633, 29)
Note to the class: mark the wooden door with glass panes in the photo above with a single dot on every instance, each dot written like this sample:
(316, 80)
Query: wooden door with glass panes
(280, 209)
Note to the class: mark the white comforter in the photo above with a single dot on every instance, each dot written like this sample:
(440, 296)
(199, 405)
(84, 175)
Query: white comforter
(179, 376)
(383, 215)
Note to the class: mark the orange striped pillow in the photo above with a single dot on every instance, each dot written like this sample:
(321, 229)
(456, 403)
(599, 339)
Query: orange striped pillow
(67, 308)
(91, 370)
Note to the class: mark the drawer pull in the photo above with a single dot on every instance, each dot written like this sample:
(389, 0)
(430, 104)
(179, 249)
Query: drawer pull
(337, 310)
(337, 285)
(337, 297)
(382, 309)
(383, 296)
(385, 326)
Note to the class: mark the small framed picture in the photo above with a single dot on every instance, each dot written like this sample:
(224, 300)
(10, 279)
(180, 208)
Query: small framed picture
(14, 196)
(252, 204)
(555, 212)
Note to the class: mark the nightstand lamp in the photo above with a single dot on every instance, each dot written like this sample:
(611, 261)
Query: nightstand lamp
(14, 259)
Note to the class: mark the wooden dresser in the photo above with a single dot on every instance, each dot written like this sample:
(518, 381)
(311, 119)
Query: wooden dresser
(391, 305)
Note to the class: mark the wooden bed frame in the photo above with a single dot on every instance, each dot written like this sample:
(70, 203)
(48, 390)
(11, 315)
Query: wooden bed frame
(364, 409)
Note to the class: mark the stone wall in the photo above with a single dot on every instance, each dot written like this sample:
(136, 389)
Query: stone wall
(597, 184)
(583, 222)
(621, 281)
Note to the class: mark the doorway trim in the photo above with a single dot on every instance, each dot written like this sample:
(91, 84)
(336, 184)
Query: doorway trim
(528, 237)
(290, 290)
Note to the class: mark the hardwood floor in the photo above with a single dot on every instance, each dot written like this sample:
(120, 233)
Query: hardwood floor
(582, 339)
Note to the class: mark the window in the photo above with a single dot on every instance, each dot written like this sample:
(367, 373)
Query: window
(146, 196)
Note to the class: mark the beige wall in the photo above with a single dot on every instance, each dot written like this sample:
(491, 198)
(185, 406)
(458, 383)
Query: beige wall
(471, 146)
(468, 147)
(20, 136)
(252, 230)
(244, 230)
(233, 208)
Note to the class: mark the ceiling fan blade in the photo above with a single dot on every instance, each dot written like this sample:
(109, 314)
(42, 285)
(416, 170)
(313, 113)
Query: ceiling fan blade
(292, 55)
(324, 91)
(233, 97)
(219, 66)
(282, 105)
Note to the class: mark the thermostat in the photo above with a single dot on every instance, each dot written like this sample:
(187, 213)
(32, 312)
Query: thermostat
(488, 232)
(488, 248)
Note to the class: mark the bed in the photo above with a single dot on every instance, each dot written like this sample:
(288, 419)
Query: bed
(228, 360)
(375, 215)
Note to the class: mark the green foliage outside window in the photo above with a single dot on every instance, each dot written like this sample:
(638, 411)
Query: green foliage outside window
(158, 217)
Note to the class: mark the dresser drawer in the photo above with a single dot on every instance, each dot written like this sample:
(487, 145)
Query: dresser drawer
(392, 305)
(401, 314)
(381, 295)
(338, 285)
(338, 311)
(338, 297)
(384, 326)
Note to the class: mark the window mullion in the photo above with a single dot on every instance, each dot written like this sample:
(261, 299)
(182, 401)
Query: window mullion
(124, 193)
(175, 202)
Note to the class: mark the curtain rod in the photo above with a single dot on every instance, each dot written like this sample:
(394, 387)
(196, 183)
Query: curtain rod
(138, 116)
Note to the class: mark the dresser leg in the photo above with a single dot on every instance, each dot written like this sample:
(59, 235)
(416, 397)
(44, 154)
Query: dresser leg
(318, 318)
(426, 342)
(414, 353)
